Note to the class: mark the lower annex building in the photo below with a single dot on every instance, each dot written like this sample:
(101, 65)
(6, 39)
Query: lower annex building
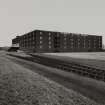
(49, 41)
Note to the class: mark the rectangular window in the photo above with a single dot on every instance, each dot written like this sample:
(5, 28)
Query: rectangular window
(65, 43)
(33, 36)
(40, 46)
(78, 44)
(65, 34)
(65, 47)
(71, 39)
(57, 34)
(40, 42)
(49, 38)
(65, 38)
(49, 42)
(49, 33)
(78, 40)
(49, 46)
(84, 45)
(33, 42)
(41, 37)
(40, 33)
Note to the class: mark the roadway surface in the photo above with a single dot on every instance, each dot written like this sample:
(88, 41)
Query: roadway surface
(90, 88)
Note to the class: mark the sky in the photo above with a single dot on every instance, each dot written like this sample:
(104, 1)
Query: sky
(76, 16)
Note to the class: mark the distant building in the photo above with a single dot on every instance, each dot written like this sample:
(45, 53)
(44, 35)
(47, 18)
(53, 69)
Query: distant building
(49, 41)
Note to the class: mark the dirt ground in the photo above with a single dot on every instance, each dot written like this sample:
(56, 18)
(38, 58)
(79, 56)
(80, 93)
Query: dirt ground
(20, 86)
(93, 59)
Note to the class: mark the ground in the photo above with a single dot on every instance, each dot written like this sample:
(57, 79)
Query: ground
(93, 59)
(21, 86)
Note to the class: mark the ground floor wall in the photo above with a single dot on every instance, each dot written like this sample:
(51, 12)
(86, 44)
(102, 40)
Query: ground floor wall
(58, 50)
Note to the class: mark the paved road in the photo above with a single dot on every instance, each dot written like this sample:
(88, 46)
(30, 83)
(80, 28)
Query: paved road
(90, 88)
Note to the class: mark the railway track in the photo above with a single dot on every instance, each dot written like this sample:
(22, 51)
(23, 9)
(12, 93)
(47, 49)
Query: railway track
(67, 66)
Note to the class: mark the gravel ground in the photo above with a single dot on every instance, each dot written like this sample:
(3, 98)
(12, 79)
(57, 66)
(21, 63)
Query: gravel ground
(20, 86)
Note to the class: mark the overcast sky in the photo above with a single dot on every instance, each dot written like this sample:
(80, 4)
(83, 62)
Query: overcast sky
(78, 16)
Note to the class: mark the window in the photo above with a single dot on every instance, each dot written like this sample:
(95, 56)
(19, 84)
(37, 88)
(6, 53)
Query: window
(40, 42)
(40, 46)
(71, 44)
(78, 44)
(49, 46)
(57, 34)
(33, 42)
(49, 42)
(65, 43)
(33, 36)
(49, 38)
(71, 39)
(84, 45)
(65, 38)
(65, 46)
(41, 37)
(40, 33)
(78, 40)
(49, 33)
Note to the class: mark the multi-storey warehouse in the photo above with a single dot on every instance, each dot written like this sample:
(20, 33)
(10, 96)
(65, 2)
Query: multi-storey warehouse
(48, 41)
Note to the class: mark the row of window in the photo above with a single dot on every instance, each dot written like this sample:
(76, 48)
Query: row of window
(67, 34)
(57, 41)
(71, 39)
(65, 46)
(41, 46)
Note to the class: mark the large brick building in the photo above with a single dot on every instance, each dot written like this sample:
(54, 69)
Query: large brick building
(49, 41)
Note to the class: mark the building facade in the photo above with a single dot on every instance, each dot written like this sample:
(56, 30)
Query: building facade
(15, 41)
(49, 41)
